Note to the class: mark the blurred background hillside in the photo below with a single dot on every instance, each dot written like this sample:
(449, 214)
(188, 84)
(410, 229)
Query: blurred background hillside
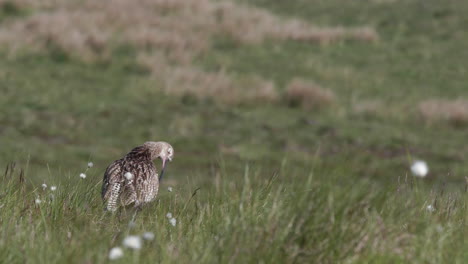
(360, 87)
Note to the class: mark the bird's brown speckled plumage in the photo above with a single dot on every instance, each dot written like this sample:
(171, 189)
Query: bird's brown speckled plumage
(117, 190)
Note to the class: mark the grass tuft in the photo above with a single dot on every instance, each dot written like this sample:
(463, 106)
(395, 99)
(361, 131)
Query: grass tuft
(308, 95)
(454, 112)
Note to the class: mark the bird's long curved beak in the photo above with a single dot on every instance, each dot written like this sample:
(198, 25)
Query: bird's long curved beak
(163, 168)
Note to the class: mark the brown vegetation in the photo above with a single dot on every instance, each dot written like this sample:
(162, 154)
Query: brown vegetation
(452, 111)
(188, 80)
(369, 107)
(168, 33)
(308, 95)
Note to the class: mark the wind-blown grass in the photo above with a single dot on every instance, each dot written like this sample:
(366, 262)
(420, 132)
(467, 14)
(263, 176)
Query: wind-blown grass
(238, 219)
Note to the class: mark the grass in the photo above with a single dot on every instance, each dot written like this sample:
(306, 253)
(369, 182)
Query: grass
(280, 181)
(286, 217)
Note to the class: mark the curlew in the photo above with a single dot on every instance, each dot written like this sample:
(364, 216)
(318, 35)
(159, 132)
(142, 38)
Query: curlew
(134, 179)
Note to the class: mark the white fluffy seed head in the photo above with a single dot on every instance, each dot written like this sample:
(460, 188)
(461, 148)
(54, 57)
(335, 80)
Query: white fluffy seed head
(128, 176)
(173, 221)
(53, 188)
(38, 201)
(148, 236)
(82, 176)
(90, 164)
(44, 186)
(133, 242)
(419, 168)
(430, 208)
(169, 189)
(115, 253)
(169, 215)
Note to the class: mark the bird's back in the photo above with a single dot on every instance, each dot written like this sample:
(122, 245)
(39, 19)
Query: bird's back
(138, 187)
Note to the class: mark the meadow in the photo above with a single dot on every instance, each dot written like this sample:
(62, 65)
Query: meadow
(294, 125)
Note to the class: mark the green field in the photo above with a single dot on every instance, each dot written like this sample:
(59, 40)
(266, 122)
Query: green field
(259, 176)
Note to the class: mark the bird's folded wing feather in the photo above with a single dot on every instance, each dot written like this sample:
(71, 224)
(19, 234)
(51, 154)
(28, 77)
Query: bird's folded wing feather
(111, 187)
(147, 182)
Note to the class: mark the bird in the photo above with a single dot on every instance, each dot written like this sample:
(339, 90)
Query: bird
(133, 179)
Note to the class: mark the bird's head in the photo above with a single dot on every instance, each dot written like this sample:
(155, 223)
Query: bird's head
(162, 150)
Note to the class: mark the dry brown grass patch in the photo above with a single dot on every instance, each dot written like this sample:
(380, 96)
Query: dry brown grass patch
(367, 107)
(187, 80)
(308, 95)
(452, 111)
(180, 28)
(253, 25)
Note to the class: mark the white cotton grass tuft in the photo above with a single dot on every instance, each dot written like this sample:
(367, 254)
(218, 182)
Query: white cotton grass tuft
(169, 189)
(128, 176)
(419, 168)
(148, 236)
(133, 242)
(82, 176)
(90, 164)
(44, 186)
(173, 221)
(169, 215)
(116, 253)
(53, 188)
(38, 201)
(430, 208)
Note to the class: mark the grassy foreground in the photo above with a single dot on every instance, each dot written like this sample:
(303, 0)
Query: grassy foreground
(282, 218)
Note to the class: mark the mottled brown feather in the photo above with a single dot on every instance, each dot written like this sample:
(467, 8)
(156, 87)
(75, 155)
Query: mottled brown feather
(143, 187)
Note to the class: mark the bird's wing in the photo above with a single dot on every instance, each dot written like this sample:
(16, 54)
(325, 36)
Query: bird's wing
(146, 181)
(112, 185)
(141, 187)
